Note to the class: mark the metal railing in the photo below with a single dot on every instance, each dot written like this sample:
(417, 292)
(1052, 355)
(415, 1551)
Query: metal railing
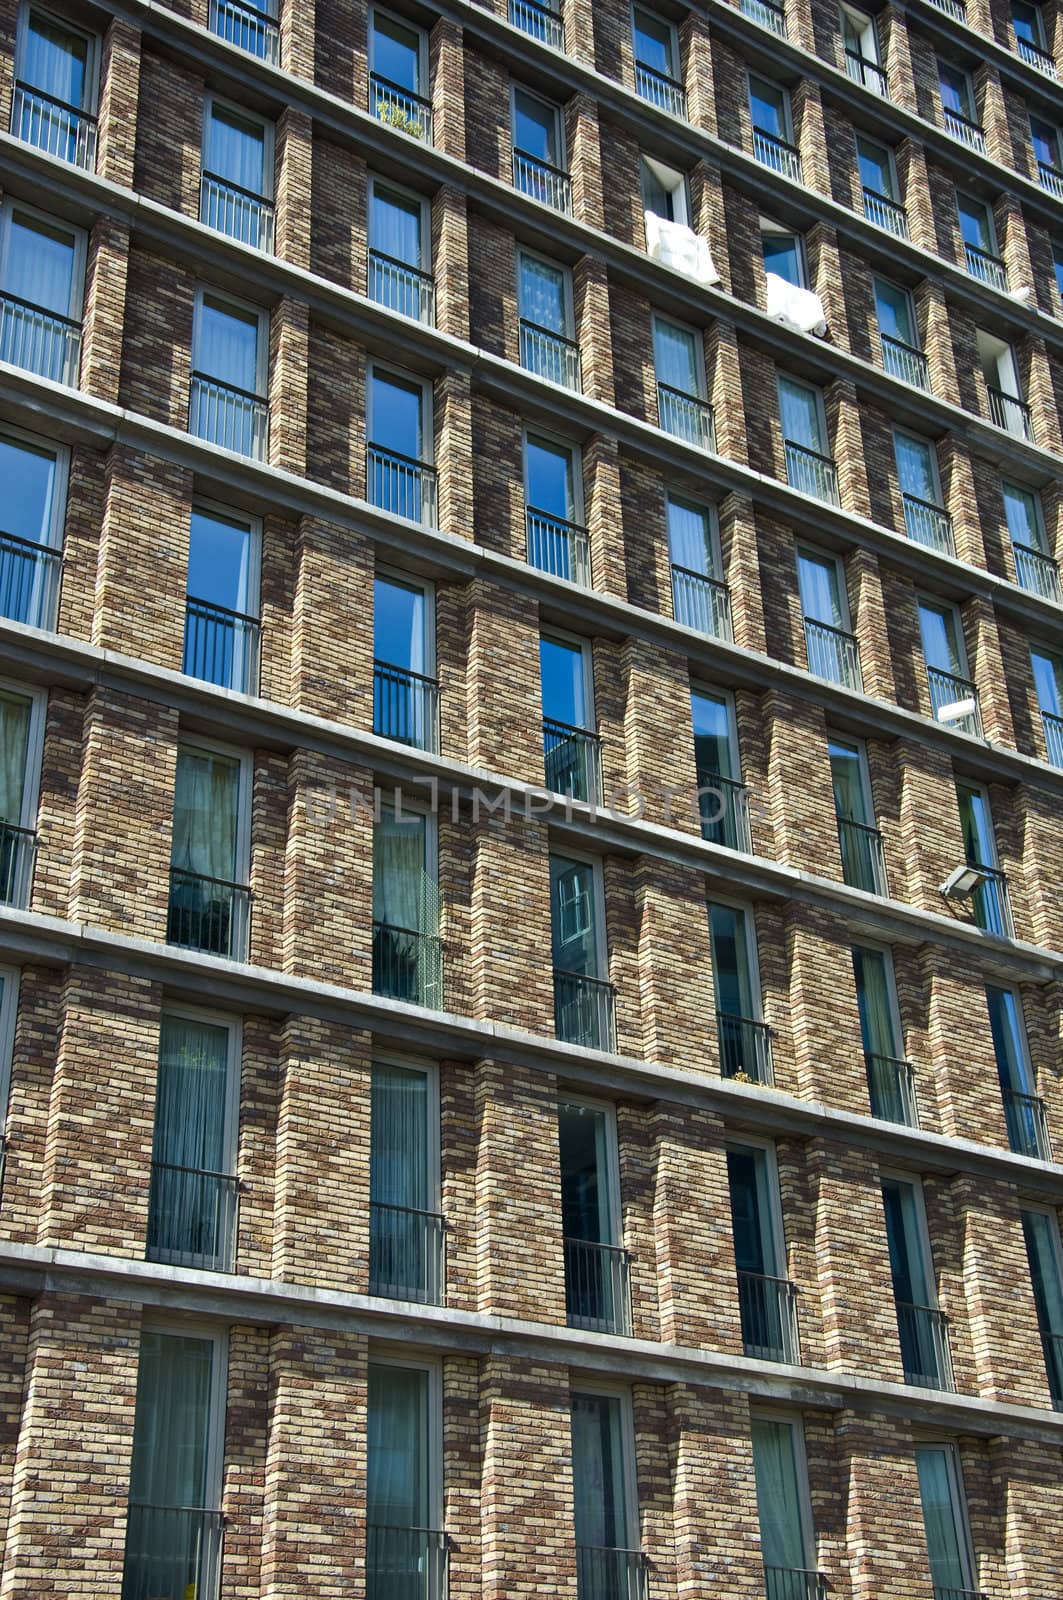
(232, 418)
(401, 484)
(745, 1048)
(402, 288)
(885, 213)
(584, 1010)
(928, 524)
(248, 27)
(1027, 1124)
(1052, 1344)
(811, 473)
(192, 1217)
(405, 706)
(768, 14)
(1053, 730)
(767, 1308)
(539, 21)
(597, 1287)
(832, 654)
(723, 804)
(991, 903)
(29, 581)
(686, 416)
(558, 547)
(925, 1352)
(237, 212)
(549, 355)
(668, 94)
(962, 128)
(209, 914)
(408, 965)
(171, 1551)
(1037, 572)
(1007, 411)
(941, 1593)
(869, 73)
(18, 853)
(400, 108)
(891, 1087)
(39, 341)
(53, 126)
(776, 153)
(1051, 178)
(221, 646)
(605, 1573)
(701, 602)
(952, 8)
(405, 1563)
(551, 186)
(794, 1583)
(905, 361)
(954, 701)
(863, 858)
(1036, 57)
(987, 268)
(573, 760)
(406, 1253)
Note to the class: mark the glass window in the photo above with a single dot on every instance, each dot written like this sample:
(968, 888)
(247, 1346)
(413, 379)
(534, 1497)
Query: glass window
(769, 107)
(977, 825)
(848, 772)
(893, 307)
(1046, 144)
(714, 753)
(692, 537)
(778, 1466)
(565, 685)
(1057, 258)
(858, 34)
(40, 280)
(227, 344)
(939, 631)
(875, 999)
(395, 52)
(223, 560)
(653, 40)
(676, 357)
(401, 635)
(737, 993)
(543, 294)
(956, 95)
(16, 791)
(396, 225)
(1028, 24)
(917, 467)
(783, 254)
(405, 1244)
(801, 414)
(976, 224)
(55, 89)
(913, 1283)
(1048, 678)
(549, 479)
(192, 1206)
(600, 1480)
(943, 1518)
(396, 414)
(821, 597)
(407, 958)
(587, 1137)
(206, 818)
(398, 1477)
(33, 476)
(875, 165)
(1041, 1233)
(235, 148)
(575, 932)
(750, 1182)
(1009, 1040)
(1022, 508)
(536, 128)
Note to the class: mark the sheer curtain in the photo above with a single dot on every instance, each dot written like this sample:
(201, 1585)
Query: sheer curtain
(39, 266)
(398, 1158)
(782, 1540)
(171, 1429)
(598, 1472)
(403, 895)
(227, 346)
(675, 358)
(818, 581)
(206, 814)
(690, 538)
(915, 467)
(947, 1565)
(14, 742)
(395, 226)
(939, 644)
(191, 1098)
(236, 150)
(542, 294)
(874, 1001)
(397, 1466)
(799, 414)
(54, 60)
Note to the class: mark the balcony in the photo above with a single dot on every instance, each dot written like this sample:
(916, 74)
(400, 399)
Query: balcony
(768, 14)
(990, 902)
(208, 914)
(605, 1573)
(406, 1253)
(987, 268)
(885, 213)
(867, 72)
(1036, 57)
(538, 21)
(928, 524)
(745, 1049)
(405, 706)
(1007, 411)
(941, 1593)
(171, 1550)
(558, 547)
(401, 484)
(192, 1217)
(794, 1583)
(551, 186)
(51, 125)
(1052, 1343)
(891, 1087)
(925, 1352)
(905, 361)
(573, 760)
(29, 581)
(768, 1310)
(811, 473)
(231, 418)
(724, 807)
(239, 213)
(686, 416)
(1027, 1125)
(952, 8)
(777, 154)
(18, 852)
(248, 27)
(221, 646)
(863, 859)
(832, 654)
(584, 1011)
(39, 341)
(549, 355)
(597, 1287)
(701, 603)
(400, 108)
(1051, 179)
(408, 966)
(1037, 572)
(954, 701)
(962, 128)
(666, 93)
(405, 1563)
(402, 288)
(1053, 730)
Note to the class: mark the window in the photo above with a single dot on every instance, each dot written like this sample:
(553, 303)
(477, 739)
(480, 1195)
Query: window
(921, 1327)
(699, 595)
(766, 1298)
(236, 189)
(860, 842)
(1048, 679)
(664, 191)
(979, 235)
(583, 998)
(773, 134)
(657, 62)
(608, 1561)
(9, 982)
(863, 61)
(407, 950)
(406, 1549)
(553, 484)
(1041, 1232)
(222, 630)
(192, 1204)
(992, 911)
(809, 469)
(721, 793)
(544, 305)
(1048, 153)
(890, 1081)
(926, 520)
(541, 19)
(831, 648)
(21, 741)
(1007, 409)
(54, 101)
(953, 697)
(539, 151)
(745, 1040)
(230, 353)
(679, 363)
(252, 27)
(174, 1532)
(1028, 24)
(1034, 566)
(406, 1241)
(570, 745)
(398, 76)
(597, 1291)
(405, 691)
(401, 478)
(400, 247)
(34, 475)
(945, 1520)
(878, 180)
(210, 905)
(42, 271)
(783, 253)
(1024, 1112)
(958, 106)
(1057, 261)
(901, 355)
(786, 1540)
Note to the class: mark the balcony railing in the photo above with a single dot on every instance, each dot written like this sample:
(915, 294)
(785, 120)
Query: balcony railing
(1037, 572)
(237, 212)
(558, 547)
(869, 73)
(863, 858)
(925, 1353)
(1027, 1125)
(794, 1583)
(408, 965)
(891, 1087)
(29, 581)
(686, 416)
(724, 807)
(928, 524)
(400, 108)
(1051, 178)
(551, 186)
(702, 603)
(885, 213)
(811, 473)
(249, 27)
(233, 418)
(942, 1593)
(776, 153)
(539, 21)
(832, 654)
(53, 126)
(962, 128)
(1053, 729)
(401, 484)
(573, 760)
(584, 1010)
(549, 355)
(405, 706)
(402, 288)
(1052, 1344)
(768, 1311)
(768, 14)
(952, 8)
(1007, 411)
(1036, 57)
(745, 1048)
(609, 1574)
(954, 701)
(905, 361)
(221, 646)
(192, 1217)
(986, 268)
(406, 1253)
(597, 1287)
(405, 1563)
(39, 341)
(18, 852)
(991, 903)
(171, 1551)
(209, 914)
(660, 90)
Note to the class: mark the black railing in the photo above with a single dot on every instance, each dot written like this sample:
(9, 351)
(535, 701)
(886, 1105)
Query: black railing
(811, 472)
(991, 902)
(609, 1574)
(794, 1583)
(767, 1307)
(941, 1592)
(401, 287)
(776, 153)
(1037, 572)
(408, 965)
(954, 701)
(745, 1048)
(53, 125)
(250, 27)
(964, 129)
(1036, 57)
(405, 1563)
(867, 72)
(541, 181)
(668, 94)
(724, 807)
(832, 653)
(584, 1010)
(1007, 411)
(597, 1287)
(208, 914)
(1027, 1124)
(405, 706)
(18, 852)
(192, 1217)
(573, 760)
(406, 1253)
(171, 1553)
(928, 524)
(863, 858)
(986, 268)
(767, 13)
(925, 1353)
(558, 547)
(39, 341)
(239, 213)
(891, 1087)
(1052, 1344)
(401, 484)
(549, 354)
(538, 21)
(686, 416)
(221, 646)
(400, 108)
(29, 581)
(885, 213)
(905, 361)
(1053, 731)
(701, 602)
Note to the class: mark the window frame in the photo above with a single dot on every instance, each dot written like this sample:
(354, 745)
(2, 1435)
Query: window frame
(945, 608)
(411, 27)
(37, 696)
(424, 205)
(749, 941)
(770, 1413)
(769, 1166)
(412, 1361)
(957, 1496)
(909, 306)
(575, 461)
(234, 516)
(1040, 528)
(585, 647)
(218, 1338)
(821, 412)
(874, 947)
(8, 206)
(922, 1227)
(677, 184)
(674, 57)
(234, 1028)
(616, 1390)
(970, 200)
(1022, 1038)
(891, 168)
(698, 337)
(567, 301)
(980, 789)
(245, 760)
(859, 745)
(584, 858)
(430, 1070)
(1055, 1236)
(612, 1158)
(711, 691)
(92, 58)
(60, 454)
(387, 369)
(269, 176)
(787, 106)
(426, 587)
(866, 24)
(815, 552)
(206, 292)
(969, 96)
(561, 162)
(712, 512)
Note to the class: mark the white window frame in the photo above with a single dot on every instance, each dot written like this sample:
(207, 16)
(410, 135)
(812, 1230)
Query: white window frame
(1038, 512)
(601, 934)
(417, 807)
(574, 642)
(674, 57)
(218, 1339)
(867, 28)
(768, 226)
(804, 1497)
(815, 553)
(233, 515)
(821, 413)
(222, 300)
(425, 587)
(712, 691)
(430, 1071)
(885, 951)
(31, 784)
(1054, 1233)
(60, 454)
(756, 991)
(568, 312)
(11, 978)
(787, 108)
(561, 163)
(575, 460)
(983, 793)
(1039, 23)
(612, 1158)
(234, 1029)
(386, 370)
(968, 83)
(740, 1140)
(922, 1227)
(929, 445)
(671, 179)
(413, 1362)
(972, 200)
(410, 27)
(211, 101)
(243, 800)
(712, 512)
(8, 207)
(946, 608)
(421, 201)
(898, 288)
(958, 1497)
(697, 335)
(891, 164)
(612, 1390)
(92, 58)
(864, 768)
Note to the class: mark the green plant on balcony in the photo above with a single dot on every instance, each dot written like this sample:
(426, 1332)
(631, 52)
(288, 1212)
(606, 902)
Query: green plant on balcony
(397, 117)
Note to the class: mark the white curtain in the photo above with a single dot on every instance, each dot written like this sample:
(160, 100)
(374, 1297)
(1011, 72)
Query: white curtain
(403, 894)
(54, 60)
(28, 477)
(395, 226)
(778, 1501)
(818, 581)
(397, 1466)
(227, 346)
(675, 358)
(598, 1472)
(940, 1517)
(915, 468)
(191, 1098)
(398, 1159)
(205, 819)
(14, 739)
(39, 265)
(874, 1002)
(542, 294)
(799, 414)
(170, 1433)
(236, 150)
(690, 538)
